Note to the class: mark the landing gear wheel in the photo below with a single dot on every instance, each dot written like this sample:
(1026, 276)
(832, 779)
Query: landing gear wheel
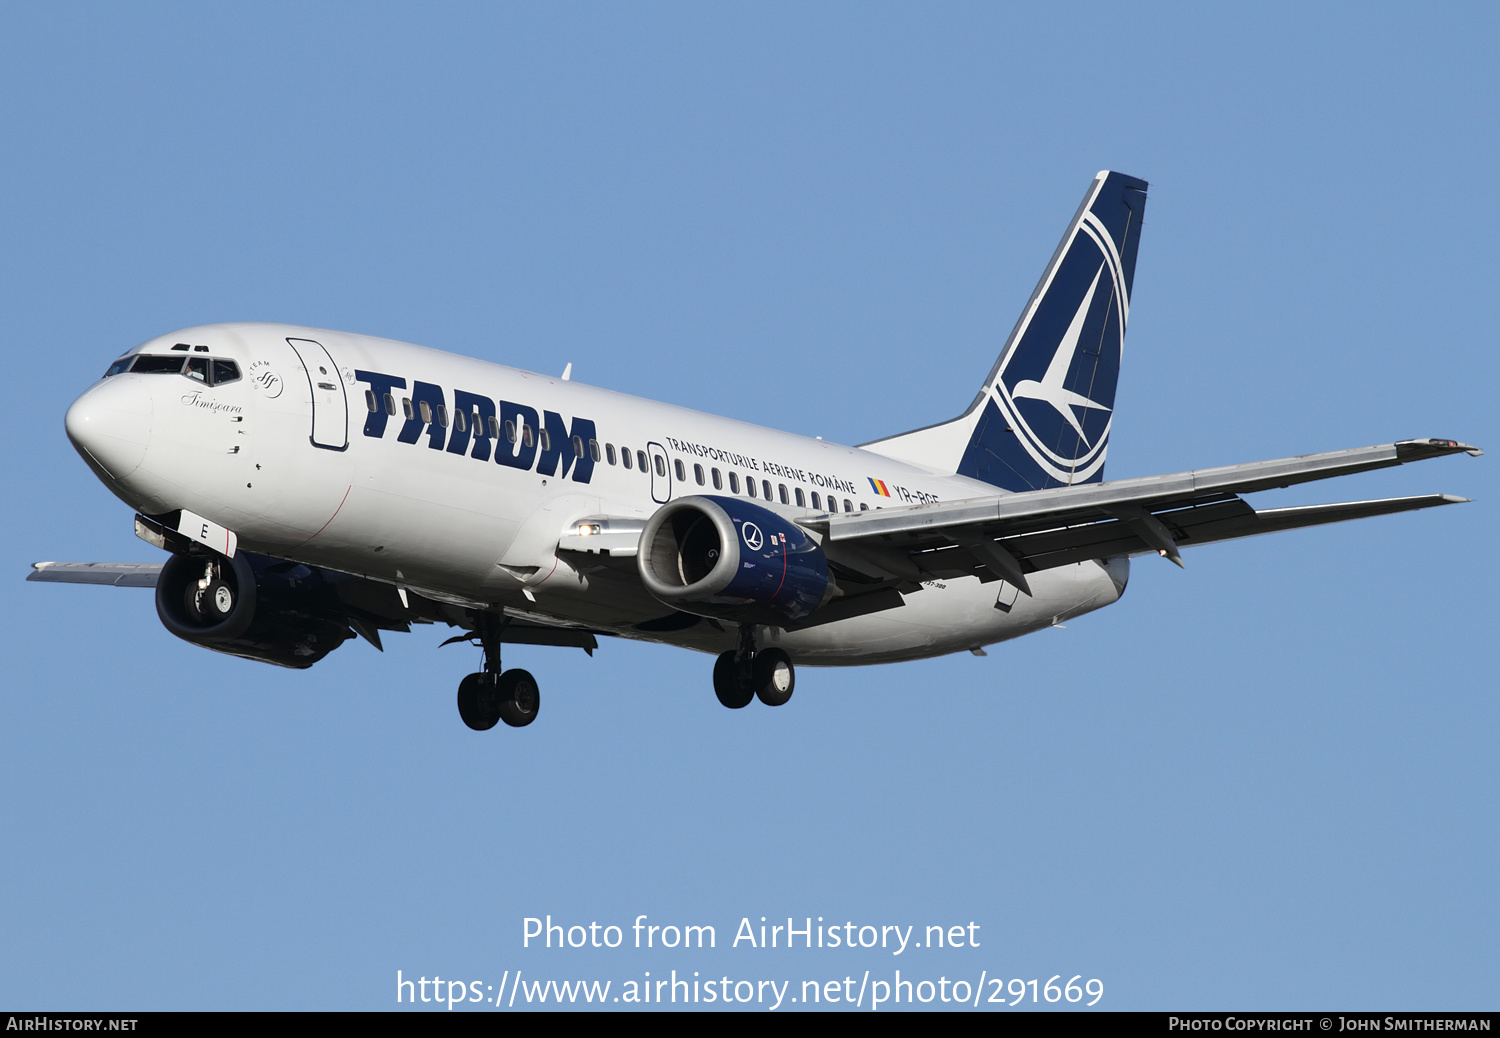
(774, 677)
(219, 599)
(212, 604)
(519, 698)
(479, 701)
(729, 684)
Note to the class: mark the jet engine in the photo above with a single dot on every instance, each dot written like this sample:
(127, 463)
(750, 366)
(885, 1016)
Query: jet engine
(252, 606)
(727, 558)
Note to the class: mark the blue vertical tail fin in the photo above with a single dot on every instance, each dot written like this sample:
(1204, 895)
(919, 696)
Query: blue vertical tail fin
(1043, 416)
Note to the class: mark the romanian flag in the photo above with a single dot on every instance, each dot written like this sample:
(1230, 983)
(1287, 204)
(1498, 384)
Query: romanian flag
(879, 487)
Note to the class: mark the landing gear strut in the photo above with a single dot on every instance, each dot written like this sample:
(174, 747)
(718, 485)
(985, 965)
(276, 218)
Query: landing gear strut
(494, 695)
(745, 674)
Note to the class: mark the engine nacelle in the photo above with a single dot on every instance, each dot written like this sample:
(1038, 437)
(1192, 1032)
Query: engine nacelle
(727, 558)
(252, 606)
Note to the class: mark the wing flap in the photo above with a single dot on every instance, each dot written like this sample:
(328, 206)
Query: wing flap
(1188, 527)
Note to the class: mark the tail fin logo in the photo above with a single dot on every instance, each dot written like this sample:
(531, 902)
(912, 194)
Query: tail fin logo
(1056, 389)
(1050, 388)
(1053, 391)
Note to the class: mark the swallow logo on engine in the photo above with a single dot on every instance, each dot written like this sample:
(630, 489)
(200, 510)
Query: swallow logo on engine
(752, 535)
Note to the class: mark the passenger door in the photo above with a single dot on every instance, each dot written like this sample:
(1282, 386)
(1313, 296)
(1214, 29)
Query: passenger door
(330, 404)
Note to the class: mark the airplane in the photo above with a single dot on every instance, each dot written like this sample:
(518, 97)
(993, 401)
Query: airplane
(312, 486)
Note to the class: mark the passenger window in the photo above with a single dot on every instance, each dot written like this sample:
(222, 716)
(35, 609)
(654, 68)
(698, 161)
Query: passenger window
(718, 480)
(225, 371)
(510, 432)
(640, 460)
(750, 487)
(197, 369)
(123, 364)
(546, 438)
(528, 437)
(459, 422)
(578, 446)
(625, 456)
(370, 400)
(426, 412)
(157, 365)
(781, 492)
(734, 482)
(609, 452)
(406, 408)
(494, 428)
(390, 404)
(681, 471)
(801, 501)
(442, 416)
(848, 506)
(698, 474)
(817, 501)
(765, 485)
(594, 450)
(863, 507)
(661, 465)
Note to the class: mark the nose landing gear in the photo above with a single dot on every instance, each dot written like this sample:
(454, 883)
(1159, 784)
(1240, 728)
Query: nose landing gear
(743, 675)
(212, 598)
(494, 695)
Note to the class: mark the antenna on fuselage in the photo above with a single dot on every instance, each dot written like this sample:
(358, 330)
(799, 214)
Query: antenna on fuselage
(568, 371)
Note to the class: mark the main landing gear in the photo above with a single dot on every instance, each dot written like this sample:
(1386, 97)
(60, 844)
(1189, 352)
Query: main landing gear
(494, 695)
(744, 674)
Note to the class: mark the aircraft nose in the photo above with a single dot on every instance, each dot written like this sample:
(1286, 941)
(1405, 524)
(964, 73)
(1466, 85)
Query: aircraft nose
(110, 425)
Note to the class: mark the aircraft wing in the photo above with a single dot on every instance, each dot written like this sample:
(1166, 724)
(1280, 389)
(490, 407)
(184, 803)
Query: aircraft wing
(120, 574)
(365, 614)
(1008, 536)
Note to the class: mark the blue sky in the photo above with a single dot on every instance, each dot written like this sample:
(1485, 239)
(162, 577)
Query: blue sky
(1267, 781)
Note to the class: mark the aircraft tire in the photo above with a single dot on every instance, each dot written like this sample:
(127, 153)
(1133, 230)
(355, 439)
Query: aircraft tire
(479, 702)
(775, 677)
(519, 698)
(213, 604)
(732, 691)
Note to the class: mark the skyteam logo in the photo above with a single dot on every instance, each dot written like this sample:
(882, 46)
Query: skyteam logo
(1048, 410)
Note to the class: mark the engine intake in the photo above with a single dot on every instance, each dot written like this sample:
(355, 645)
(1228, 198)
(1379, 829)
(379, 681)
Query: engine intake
(727, 558)
(251, 606)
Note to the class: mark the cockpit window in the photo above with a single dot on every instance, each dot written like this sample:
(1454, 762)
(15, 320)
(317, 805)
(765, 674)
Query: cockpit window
(208, 370)
(148, 365)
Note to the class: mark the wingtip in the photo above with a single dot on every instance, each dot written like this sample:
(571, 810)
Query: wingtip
(1433, 447)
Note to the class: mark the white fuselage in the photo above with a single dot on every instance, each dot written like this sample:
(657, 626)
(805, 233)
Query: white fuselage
(291, 458)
